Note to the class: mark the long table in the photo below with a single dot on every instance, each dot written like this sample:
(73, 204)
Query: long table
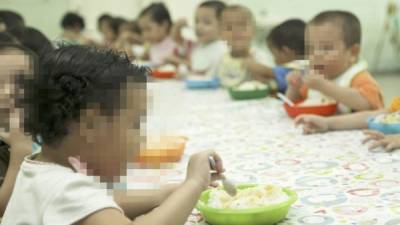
(338, 181)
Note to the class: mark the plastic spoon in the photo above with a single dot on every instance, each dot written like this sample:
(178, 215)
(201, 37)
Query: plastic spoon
(228, 186)
(285, 99)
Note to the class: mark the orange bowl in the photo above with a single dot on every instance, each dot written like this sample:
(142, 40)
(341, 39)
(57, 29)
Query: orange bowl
(163, 74)
(322, 110)
(165, 149)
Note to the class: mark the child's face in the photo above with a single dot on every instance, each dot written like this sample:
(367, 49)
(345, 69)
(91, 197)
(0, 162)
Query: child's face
(116, 139)
(237, 29)
(207, 24)
(152, 31)
(281, 56)
(106, 30)
(327, 51)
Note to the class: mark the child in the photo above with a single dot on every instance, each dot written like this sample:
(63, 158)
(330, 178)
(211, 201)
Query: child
(205, 56)
(73, 25)
(237, 29)
(129, 35)
(104, 25)
(32, 39)
(15, 61)
(286, 43)
(155, 24)
(333, 45)
(86, 107)
(317, 124)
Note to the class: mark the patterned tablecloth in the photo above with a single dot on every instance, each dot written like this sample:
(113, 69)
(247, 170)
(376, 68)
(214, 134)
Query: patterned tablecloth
(338, 181)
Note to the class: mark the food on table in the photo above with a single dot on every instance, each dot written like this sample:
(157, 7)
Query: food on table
(167, 68)
(250, 86)
(390, 118)
(253, 197)
(316, 102)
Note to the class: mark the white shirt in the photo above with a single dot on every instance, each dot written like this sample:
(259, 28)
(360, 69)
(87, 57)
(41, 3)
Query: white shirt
(50, 194)
(206, 57)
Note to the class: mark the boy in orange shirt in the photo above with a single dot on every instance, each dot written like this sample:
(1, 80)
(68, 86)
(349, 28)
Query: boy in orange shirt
(333, 46)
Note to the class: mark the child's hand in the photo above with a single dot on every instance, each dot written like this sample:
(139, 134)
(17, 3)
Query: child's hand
(312, 124)
(294, 79)
(313, 80)
(388, 142)
(199, 168)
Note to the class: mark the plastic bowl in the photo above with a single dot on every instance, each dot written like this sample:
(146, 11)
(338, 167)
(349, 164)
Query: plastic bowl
(266, 215)
(202, 84)
(323, 110)
(166, 149)
(163, 74)
(247, 95)
(386, 128)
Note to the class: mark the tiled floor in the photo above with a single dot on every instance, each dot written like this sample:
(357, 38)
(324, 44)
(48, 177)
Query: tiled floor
(390, 84)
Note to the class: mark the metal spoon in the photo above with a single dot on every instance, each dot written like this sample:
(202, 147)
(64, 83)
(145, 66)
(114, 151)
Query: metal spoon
(228, 186)
(285, 99)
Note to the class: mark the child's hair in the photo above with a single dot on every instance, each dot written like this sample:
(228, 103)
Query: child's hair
(7, 38)
(158, 13)
(32, 39)
(116, 23)
(218, 6)
(104, 18)
(72, 79)
(290, 34)
(71, 20)
(347, 21)
(132, 26)
(11, 19)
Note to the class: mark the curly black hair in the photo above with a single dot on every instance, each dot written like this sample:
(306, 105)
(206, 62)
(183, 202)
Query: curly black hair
(33, 39)
(71, 79)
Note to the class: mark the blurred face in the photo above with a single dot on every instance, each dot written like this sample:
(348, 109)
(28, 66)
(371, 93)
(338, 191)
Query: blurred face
(107, 31)
(207, 24)
(152, 31)
(116, 139)
(327, 51)
(237, 29)
(281, 56)
(13, 62)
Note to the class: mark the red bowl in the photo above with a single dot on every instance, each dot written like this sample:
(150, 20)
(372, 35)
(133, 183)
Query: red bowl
(323, 110)
(162, 74)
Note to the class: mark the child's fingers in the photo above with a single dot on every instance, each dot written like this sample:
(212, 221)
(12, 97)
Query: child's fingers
(218, 162)
(214, 184)
(216, 176)
(373, 133)
(381, 143)
(300, 120)
(392, 146)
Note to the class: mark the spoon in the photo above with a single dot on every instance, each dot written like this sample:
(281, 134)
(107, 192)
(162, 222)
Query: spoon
(285, 99)
(228, 186)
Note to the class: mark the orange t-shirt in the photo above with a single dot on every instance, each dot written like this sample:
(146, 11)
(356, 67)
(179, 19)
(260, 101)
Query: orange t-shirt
(366, 85)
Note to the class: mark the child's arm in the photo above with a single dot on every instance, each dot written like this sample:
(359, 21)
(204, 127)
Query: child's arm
(350, 97)
(139, 202)
(295, 83)
(20, 146)
(388, 142)
(317, 124)
(258, 70)
(176, 31)
(177, 206)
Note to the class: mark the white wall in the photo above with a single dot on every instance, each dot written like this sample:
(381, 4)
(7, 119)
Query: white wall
(46, 14)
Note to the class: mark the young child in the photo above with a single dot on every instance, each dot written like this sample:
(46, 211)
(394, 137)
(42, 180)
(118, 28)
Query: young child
(104, 25)
(129, 35)
(317, 124)
(86, 108)
(73, 26)
(333, 46)
(286, 43)
(155, 24)
(206, 54)
(238, 27)
(33, 39)
(15, 61)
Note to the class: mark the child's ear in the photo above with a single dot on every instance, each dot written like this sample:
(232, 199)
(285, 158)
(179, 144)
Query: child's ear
(87, 125)
(289, 52)
(355, 52)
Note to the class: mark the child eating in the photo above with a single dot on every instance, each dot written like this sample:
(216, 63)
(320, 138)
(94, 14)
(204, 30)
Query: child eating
(207, 53)
(85, 109)
(155, 24)
(333, 41)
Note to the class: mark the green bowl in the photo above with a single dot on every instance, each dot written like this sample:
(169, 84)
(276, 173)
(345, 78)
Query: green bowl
(267, 215)
(246, 95)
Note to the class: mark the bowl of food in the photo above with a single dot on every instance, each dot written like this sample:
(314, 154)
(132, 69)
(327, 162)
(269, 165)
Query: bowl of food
(385, 123)
(165, 72)
(249, 90)
(202, 82)
(253, 204)
(322, 107)
(164, 149)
